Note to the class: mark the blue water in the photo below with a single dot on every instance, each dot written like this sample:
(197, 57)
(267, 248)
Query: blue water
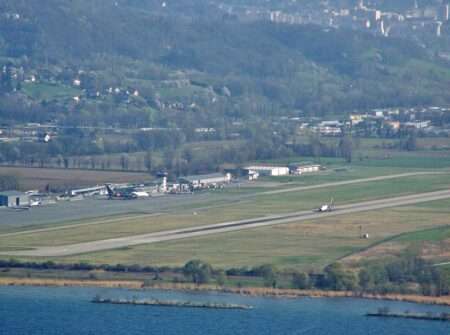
(29, 310)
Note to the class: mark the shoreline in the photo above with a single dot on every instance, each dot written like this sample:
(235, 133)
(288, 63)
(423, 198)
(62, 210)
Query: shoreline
(247, 291)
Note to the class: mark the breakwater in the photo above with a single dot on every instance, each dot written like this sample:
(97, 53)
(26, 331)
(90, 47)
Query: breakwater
(169, 303)
(415, 316)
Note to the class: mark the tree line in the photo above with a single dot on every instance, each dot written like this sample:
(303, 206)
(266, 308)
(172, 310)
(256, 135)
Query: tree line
(408, 274)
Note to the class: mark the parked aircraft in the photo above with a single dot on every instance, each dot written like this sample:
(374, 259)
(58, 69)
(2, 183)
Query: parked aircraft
(128, 193)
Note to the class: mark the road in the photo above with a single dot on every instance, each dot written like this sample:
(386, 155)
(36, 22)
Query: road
(87, 247)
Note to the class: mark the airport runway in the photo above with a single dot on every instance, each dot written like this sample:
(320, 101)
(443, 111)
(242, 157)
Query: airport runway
(170, 235)
(99, 209)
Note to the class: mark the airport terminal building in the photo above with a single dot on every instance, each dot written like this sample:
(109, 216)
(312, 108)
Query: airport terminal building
(205, 181)
(14, 199)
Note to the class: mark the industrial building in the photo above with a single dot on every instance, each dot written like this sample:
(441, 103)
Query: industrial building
(263, 170)
(14, 199)
(301, 168)
(206, 181)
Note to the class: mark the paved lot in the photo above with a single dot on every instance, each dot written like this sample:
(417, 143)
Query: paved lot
(66, 211)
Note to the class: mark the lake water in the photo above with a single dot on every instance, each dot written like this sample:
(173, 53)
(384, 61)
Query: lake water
(47, 311)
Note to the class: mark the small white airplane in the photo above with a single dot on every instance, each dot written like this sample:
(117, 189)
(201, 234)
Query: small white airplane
(326, 208)
(140, 194)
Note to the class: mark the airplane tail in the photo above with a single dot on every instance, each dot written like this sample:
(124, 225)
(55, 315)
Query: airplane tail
(110, 191)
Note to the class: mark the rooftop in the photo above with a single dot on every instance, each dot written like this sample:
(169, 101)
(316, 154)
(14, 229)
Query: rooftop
(204, 176)
(262, 166)
(11, 193)
(302, 164)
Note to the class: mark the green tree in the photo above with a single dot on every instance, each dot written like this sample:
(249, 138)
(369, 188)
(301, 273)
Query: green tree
(411, 142)
(346, 148)
(197, 271)
(149, 161)
(221, 277)
(9, 182)
(269, 274)
(337, 278)
(300, 280)
(365, 279)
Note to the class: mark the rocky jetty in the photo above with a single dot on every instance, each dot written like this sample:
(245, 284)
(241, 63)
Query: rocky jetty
(169, 303)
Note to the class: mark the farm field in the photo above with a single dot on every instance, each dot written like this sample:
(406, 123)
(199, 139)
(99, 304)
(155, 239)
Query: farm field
(38, 178)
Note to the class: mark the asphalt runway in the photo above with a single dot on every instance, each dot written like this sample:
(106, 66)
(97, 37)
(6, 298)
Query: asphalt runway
(88, 247)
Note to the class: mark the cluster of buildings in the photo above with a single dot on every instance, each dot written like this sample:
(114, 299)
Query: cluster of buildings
(187, 184)
(30, 132)
(426, 19)
(367, 15)
(383, 122)
(429, 121)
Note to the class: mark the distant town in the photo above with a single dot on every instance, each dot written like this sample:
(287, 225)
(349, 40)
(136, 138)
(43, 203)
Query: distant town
(419, 20)
(430, 121)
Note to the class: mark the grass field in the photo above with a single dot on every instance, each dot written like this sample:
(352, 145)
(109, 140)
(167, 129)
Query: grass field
(429, 235)
(247, 208)
(42, 91)
(307, 245)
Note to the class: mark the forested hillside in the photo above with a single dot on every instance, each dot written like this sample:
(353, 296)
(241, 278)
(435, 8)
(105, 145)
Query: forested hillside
(222, 67)
(189, 72)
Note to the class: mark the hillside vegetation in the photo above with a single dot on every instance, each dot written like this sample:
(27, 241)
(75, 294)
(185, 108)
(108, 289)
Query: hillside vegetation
(206, 70)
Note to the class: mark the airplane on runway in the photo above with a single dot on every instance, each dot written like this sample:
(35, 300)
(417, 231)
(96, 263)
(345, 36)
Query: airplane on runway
(326, 207)
(128, 193)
